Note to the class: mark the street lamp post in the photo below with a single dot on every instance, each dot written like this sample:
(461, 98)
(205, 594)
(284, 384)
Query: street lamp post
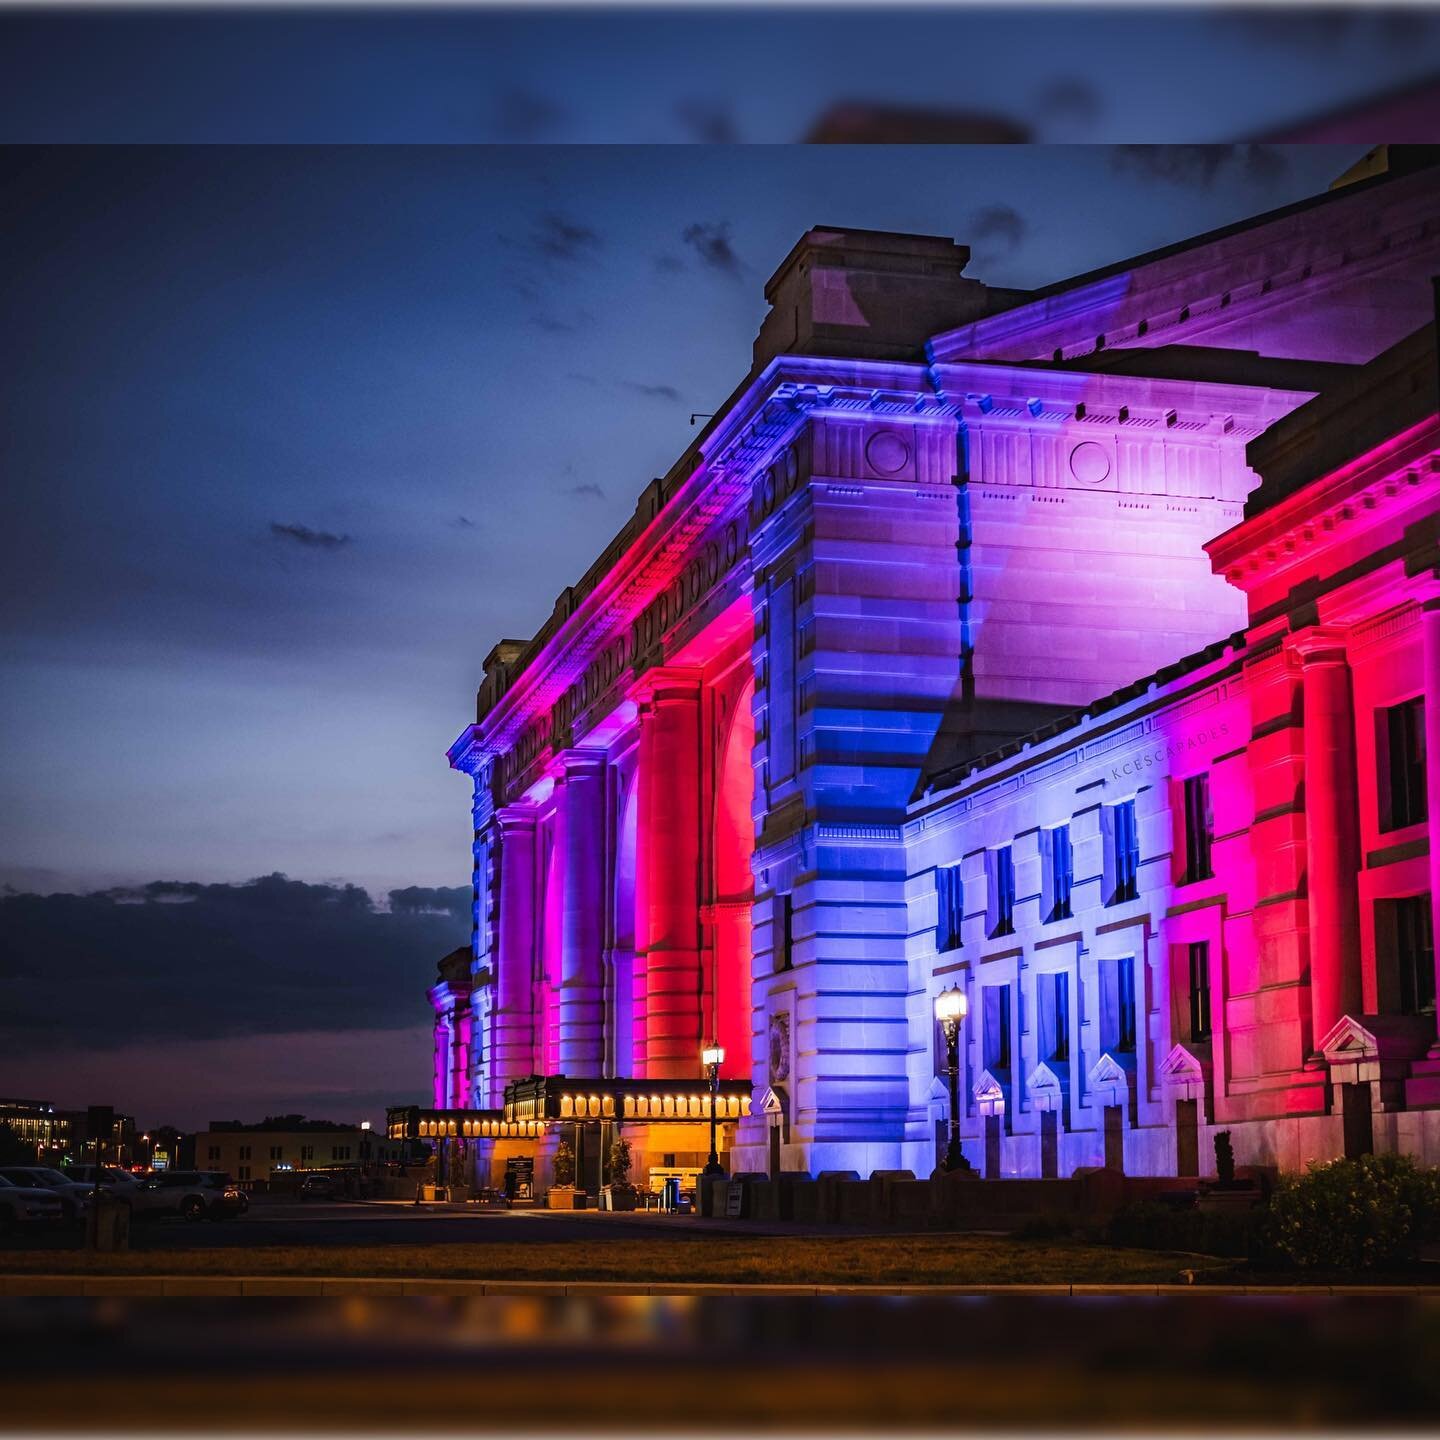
(712, 1057)
(950, 1010)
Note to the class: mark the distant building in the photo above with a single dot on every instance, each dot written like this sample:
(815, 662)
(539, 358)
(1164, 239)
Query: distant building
(283, 1144)
(35, 1122)
(61, 1136)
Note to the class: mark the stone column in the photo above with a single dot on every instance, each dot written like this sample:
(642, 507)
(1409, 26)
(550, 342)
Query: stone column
(513, 1024)
(1332, 830)
(1430, 640)
(582, 971)
(669, 855)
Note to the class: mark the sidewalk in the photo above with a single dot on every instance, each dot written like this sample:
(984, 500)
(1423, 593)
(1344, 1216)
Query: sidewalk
(193, 1286)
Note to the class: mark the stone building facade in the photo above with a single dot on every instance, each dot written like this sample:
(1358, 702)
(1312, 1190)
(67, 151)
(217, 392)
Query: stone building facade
(933, 517)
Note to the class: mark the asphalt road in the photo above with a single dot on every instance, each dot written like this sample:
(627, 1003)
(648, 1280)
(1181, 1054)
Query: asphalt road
(346, 1223)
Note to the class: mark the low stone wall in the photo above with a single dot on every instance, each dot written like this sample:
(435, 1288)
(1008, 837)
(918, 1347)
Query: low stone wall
(897, 1198)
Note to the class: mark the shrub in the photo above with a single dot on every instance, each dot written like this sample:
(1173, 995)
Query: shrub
(1360, 1214)
(620, 1163)
(1146, 1225)
(564, 1167)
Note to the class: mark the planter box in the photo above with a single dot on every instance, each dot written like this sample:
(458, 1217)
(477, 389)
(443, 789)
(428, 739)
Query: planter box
(564, 1197)
(612, 1198)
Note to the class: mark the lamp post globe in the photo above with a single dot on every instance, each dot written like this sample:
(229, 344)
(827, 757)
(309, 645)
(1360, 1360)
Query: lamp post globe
(712, 1057)
(951, 1008)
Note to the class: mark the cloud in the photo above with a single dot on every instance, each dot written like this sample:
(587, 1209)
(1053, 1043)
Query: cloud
(208, 961)
(587, 490)
(571, 323)
(581, 378)
(1069, 103)
(711, 242)
(996, 230)
(711, 122)
(668, 264)
(1196, 167)
(559, 238)
(524, 115)
(655, 392)
(305, 536)
(463, 522)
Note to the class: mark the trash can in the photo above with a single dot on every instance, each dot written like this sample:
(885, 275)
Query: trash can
(672, 1192)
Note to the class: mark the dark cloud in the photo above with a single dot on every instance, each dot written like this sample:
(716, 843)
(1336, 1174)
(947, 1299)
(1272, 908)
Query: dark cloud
(430, 900)
(1195, 167)
(587, 490)
(668, 264)
(208, 961)
(711, 122)
(655, 392)
(310, 539)
(711, 242)
(463, 522)
(571, 323)
(524, 115)
(1069, 102)
(559, 238)
(996, 230)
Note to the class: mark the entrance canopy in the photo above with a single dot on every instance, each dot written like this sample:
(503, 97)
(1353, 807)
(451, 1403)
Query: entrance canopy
(535, 1103)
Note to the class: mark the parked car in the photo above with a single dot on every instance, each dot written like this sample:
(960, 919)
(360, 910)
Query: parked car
(111, 1178)
(319, 1187)
(190, 1194)
(74, 1196)
(26, 1205)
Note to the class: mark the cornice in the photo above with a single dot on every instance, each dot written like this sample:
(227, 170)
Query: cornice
(988, 392)
(764, 419)
(1355, 496)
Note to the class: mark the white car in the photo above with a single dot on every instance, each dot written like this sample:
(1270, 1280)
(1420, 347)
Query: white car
(23, 1205)
(74, 1195)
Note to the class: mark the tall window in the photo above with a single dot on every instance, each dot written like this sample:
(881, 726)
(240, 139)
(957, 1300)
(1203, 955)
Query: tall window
(1197, 829)
(1409, 937)
(1054, 992)
(1001, 866)
(1199, 960)
(785, 958)
(1117, 1005)
(1124, 856)
(1401, 752)
(949, 905)
(1059, 870)
(996, 1031)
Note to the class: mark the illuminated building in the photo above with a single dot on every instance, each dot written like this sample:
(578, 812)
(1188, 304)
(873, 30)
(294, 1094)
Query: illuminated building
(723, 791)
(286, 1143)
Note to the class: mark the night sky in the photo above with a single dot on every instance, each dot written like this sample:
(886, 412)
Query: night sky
(291, 437)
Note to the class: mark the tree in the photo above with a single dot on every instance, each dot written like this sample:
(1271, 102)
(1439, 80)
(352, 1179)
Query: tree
(620, 1163)
(564, 1167)
(14, 1150)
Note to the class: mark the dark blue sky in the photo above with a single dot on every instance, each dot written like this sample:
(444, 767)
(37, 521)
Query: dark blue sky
(647, 73)
(292, 436)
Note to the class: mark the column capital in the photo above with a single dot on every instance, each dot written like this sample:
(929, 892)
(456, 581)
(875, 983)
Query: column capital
(666, 684)
(1319, 645)
(515, 817)
(579, 763)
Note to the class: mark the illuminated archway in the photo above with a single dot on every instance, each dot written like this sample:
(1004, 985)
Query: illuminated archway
(734, 838)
